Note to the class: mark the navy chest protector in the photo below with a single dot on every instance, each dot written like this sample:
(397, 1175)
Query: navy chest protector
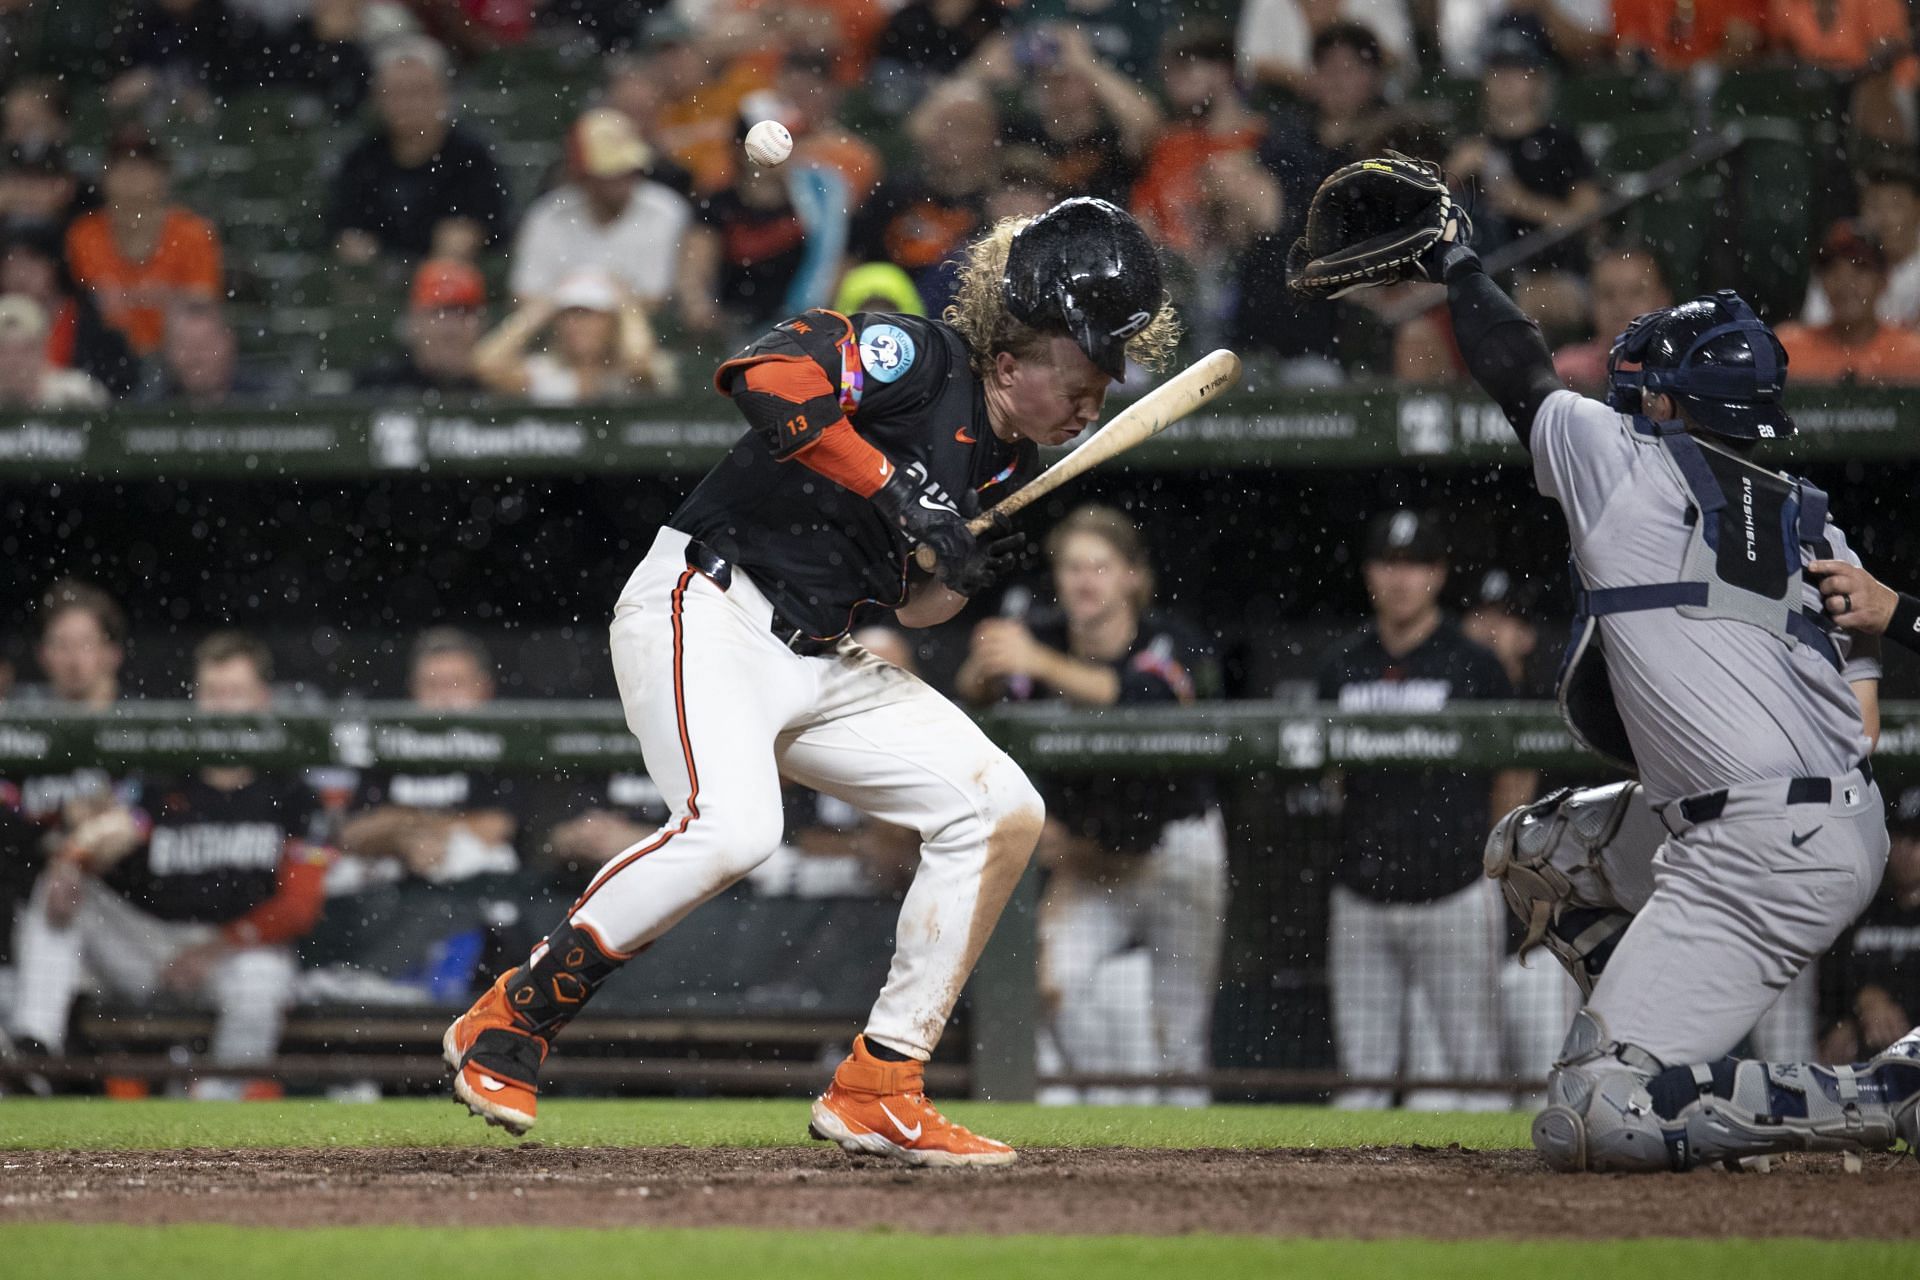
(1746, 530)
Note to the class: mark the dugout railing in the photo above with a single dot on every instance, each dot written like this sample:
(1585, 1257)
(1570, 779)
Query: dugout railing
(1258, 749)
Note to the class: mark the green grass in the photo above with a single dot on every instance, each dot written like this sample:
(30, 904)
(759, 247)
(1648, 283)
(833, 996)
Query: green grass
(98, 1124)
(207, 1253)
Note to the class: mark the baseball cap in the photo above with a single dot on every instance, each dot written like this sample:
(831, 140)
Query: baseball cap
(603, 143)
(445, 283)
(21, 316)
(1516, 47)
(1406, 535)
(589, 291)
(1847, 240)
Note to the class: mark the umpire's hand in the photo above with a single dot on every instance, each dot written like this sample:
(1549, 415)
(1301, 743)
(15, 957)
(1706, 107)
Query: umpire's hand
(1852, 597)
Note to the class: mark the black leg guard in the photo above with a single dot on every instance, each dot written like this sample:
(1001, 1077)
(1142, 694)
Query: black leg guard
(545, 994)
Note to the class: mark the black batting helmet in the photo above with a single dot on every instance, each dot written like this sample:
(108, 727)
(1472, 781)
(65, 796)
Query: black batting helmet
(1712, 355)
(1085, 268)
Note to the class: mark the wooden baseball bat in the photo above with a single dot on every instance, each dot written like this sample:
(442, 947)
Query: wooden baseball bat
(1145, 418)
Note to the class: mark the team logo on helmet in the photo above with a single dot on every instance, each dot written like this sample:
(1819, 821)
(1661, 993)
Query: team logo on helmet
(886, 351)
(1135, 323)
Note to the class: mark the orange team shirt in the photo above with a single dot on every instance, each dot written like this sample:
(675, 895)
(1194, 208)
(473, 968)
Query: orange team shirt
(1890, 359)
(133, 295)
(1858, 26)
(1168, 197)
(1680, 33)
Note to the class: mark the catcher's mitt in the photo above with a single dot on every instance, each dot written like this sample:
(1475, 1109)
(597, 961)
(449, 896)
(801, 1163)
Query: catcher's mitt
(1370, 223)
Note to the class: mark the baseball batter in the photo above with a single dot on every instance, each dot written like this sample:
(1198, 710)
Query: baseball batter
(1702, 659)
(870, 435)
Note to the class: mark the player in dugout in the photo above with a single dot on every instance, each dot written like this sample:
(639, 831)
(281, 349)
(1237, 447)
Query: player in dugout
(869, 436)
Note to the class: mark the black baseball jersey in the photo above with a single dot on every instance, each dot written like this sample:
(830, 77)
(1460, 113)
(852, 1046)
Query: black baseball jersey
(819, 551)
(213, 855)
(1412, 835)
(1167, 662)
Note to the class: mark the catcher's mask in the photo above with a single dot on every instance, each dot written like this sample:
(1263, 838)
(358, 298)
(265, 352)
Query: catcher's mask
(1713, 356)
(1086, 269)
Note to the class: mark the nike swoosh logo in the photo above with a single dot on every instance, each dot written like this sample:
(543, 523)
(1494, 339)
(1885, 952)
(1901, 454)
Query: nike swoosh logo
(911, 1135)
(490, 1084)
(931, 505)
(1797, 841)
(962, 436)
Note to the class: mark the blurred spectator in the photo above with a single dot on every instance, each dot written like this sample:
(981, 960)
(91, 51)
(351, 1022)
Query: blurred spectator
(701, 85)
(1626, 282)
(1344, 106)
(767, 246)
(27, 381)
(38, 189)
(1576, 31)
(446, 315)
(1125, 34)
(1204, 194)
(438, 827)
(1871, 979)
(140, 252)
(1847, 37)
(601, 347)
(1855, 345)
(609, 217)
(198, 364)
(1139, 864)
(934, 38)
(1091, 121)
(1278, 41)
(325, 51)
(200, 889)
(1410, 910)
(820, 140)
(183, 54)
(420, 184)
(1533, 173)
(923, 214)
(36, 111)
(1677, 34)
(32, 265)
(632, 88)
(1890, 214)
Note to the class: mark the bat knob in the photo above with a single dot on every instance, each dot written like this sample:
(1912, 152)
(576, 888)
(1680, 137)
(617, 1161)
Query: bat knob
(925, 558)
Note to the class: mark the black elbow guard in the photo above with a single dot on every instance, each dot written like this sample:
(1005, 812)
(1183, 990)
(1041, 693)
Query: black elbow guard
(787, 384)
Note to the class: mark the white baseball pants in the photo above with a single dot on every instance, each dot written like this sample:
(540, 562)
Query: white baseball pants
(1170, 908)
(126, 952)
(723, 710)
(1379, 954)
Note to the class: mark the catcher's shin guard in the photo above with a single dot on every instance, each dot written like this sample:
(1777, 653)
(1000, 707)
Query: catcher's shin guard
(1614, 1110)
(1552, 859)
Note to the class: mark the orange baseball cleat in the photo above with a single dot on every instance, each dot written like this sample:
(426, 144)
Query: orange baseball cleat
(879, 1108)
(495, 1060)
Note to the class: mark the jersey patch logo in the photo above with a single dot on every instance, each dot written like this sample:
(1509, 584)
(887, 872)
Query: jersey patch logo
(886, 351)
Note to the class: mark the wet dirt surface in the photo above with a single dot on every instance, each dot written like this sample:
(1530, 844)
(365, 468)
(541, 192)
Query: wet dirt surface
(1362, 1192)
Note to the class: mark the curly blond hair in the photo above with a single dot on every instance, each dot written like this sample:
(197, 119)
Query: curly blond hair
(979, 310)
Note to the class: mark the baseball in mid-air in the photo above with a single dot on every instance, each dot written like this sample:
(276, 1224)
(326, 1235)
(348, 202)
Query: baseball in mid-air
(768, 143)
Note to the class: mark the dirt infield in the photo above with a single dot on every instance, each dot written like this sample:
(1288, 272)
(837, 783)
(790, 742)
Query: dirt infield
(1361, 1192)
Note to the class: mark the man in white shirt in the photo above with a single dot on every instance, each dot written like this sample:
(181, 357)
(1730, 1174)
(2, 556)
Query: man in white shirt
(609, 218)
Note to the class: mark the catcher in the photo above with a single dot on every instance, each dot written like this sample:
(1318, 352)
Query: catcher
(1702, 659)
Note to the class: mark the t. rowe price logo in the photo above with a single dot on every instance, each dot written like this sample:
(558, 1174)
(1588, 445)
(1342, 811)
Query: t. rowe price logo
(43, 442)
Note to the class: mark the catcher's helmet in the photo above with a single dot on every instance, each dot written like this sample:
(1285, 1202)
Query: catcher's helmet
(1085, 268)
(1713, 356)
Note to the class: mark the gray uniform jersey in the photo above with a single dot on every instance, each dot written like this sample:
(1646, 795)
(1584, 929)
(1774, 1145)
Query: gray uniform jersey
(1707, 703)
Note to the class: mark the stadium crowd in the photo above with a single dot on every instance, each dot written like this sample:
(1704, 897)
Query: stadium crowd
(618, 232)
